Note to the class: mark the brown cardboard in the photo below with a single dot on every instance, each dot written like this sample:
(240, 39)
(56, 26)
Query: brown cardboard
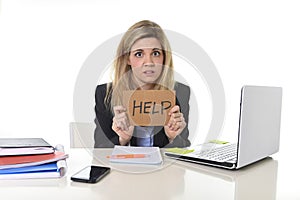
(148, 107)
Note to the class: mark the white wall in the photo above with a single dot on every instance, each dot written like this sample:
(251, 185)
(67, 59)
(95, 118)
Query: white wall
(44, 43)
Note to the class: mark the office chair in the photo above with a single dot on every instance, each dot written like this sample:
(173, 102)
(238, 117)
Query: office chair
(82, 134)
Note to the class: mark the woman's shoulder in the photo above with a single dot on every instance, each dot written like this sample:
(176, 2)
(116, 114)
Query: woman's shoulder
(182, 90)
(182, 87)
(102, 87)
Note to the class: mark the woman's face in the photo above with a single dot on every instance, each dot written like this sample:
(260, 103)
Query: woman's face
(146, 60)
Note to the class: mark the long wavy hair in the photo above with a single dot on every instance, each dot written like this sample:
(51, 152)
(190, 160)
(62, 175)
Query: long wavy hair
(122, 73)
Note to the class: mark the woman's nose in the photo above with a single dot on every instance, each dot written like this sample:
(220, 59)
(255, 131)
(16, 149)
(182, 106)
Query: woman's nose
(148, 60)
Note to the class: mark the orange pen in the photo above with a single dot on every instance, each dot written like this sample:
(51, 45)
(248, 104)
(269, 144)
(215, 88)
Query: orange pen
(125, 156)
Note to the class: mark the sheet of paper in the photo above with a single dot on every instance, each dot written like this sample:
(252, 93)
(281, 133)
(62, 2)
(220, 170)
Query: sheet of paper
(152, 155)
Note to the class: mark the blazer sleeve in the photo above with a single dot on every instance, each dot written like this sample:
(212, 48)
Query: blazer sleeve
(182, 99)
(104, 136)
(181, 140)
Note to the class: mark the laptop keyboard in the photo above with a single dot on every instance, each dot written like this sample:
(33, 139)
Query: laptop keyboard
(220, 154)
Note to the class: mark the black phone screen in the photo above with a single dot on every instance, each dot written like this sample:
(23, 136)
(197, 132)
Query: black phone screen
(90, 174)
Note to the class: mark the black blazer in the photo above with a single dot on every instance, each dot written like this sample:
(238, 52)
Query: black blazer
(104, 136)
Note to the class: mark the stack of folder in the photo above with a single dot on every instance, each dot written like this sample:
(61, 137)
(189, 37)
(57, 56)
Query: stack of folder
(22, 158)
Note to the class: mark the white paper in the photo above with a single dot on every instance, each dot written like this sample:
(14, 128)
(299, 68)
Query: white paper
(153, 155)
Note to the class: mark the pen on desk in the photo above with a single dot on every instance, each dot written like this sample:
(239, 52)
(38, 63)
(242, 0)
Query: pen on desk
(125, 156)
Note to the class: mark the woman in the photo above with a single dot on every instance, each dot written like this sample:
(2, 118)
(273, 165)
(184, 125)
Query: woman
(143, 62)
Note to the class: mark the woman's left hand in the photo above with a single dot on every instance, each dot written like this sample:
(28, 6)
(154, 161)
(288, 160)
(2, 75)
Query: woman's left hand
(176, 123)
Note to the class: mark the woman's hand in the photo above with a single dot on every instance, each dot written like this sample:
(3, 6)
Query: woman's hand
(121, 125)
(176, 123)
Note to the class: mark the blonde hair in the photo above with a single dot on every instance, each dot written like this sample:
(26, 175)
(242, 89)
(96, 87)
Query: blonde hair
(122, 80)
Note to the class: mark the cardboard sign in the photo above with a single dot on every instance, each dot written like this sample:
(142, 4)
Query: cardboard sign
(148, 107)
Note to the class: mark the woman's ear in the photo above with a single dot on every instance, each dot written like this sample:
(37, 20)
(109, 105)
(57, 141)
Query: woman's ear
(128, 62)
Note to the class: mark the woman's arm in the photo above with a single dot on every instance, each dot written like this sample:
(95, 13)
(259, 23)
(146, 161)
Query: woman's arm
(182, 100)
(104, 136)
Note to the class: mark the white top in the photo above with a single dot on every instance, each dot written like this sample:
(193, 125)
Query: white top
(144, 135)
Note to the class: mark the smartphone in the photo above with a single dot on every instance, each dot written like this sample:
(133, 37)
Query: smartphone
(91, 174)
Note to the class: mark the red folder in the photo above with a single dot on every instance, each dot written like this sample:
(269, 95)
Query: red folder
(30, 160)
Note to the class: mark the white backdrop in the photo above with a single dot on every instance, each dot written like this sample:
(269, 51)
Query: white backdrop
(43, 44)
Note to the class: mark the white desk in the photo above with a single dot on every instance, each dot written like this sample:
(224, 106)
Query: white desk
(172, 180)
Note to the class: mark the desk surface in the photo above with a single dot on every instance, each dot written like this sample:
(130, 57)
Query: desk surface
(171, 180)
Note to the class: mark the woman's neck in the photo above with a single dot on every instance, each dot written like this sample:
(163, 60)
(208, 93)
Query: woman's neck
(148, 86)
(143, 86)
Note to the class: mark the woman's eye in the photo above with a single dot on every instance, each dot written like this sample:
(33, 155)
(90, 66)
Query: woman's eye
(138, 54)
(156, 53)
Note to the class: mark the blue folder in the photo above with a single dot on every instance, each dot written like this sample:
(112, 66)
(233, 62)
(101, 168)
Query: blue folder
(49, 167)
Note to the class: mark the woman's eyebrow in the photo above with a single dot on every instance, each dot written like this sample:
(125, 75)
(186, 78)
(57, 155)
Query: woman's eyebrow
(137, 50)
(153, 49)
(156, 49)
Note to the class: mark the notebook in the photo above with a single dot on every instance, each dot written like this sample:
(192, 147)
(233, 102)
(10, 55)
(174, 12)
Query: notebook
(24, 146)
(258, 133)
(136, 155)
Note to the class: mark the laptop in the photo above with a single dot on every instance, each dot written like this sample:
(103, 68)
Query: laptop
(258, 133)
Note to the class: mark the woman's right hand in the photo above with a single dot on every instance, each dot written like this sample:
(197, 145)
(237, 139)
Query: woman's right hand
(121, 125)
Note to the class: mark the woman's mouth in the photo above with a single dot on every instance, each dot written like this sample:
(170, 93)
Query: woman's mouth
(148, 72)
